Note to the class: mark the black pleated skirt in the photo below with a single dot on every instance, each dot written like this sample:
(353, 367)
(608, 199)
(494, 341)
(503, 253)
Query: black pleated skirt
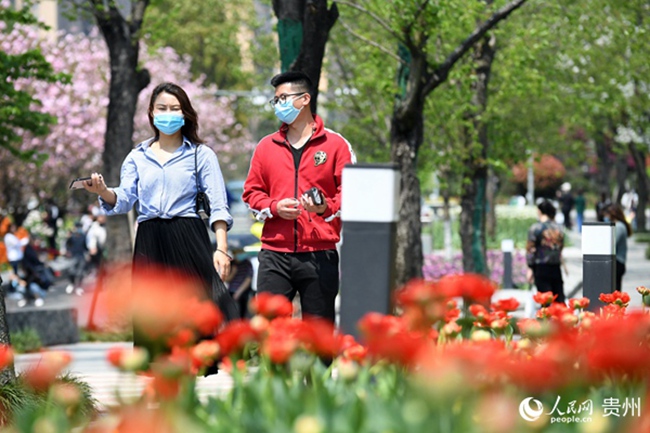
(183, 244)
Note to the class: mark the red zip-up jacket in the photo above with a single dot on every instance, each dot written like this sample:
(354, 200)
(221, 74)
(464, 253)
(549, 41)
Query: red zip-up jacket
(273, 177)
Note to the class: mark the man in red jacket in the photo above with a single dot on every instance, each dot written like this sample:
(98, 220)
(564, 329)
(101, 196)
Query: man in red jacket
(300, 235)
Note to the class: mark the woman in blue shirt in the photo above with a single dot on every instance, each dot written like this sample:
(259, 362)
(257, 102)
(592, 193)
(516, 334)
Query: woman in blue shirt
(159, 174)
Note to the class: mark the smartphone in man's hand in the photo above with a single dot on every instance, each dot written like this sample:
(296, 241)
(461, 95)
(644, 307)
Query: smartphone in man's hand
(315, 195)
(78, 182)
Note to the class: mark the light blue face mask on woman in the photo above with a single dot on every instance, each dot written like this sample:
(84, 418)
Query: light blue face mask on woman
(286, 112)
(168, 123)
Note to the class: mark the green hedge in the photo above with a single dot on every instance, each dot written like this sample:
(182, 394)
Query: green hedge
(642, 237)
(26, 341)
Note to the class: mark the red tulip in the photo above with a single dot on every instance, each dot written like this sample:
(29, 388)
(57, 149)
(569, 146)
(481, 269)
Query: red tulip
(6, 356)
(271, 306)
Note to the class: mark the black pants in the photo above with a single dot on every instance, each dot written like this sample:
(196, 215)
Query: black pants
(548, 278)
(181, 244)
(314, 275)
(620, 270)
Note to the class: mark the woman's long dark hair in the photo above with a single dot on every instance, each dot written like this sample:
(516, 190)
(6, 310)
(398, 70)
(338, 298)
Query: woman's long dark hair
(615, 212)
(191, 128)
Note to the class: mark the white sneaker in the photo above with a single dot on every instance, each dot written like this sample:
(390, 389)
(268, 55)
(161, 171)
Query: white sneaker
(69, 288)
(79, 291)
(21, 303)
(39, 302)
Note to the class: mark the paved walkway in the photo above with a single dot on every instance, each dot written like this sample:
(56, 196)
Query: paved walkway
(109, 385)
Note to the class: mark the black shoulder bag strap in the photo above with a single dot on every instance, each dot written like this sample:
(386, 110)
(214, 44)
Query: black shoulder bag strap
(202, 205)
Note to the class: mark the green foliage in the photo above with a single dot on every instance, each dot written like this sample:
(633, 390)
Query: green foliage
(88, 336)
(380, 398)
(13, 397)
(17, 113)
(19, 401)
(507, 228)
(642, 237)
(26, 340)
(214, 33)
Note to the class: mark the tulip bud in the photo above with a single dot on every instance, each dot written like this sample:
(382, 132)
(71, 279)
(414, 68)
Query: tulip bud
(308, 424)
(348, 369)
(45, 425)
(259, 324)
(66, 394)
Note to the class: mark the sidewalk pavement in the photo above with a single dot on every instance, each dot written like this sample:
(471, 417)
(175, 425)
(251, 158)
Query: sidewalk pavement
(110, 386)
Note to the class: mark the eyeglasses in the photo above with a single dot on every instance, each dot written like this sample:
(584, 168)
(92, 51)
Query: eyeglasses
(283, 98)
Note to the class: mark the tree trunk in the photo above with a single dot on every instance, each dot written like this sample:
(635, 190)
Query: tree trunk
(466, 226)
(621, 175)
(127, 80)
(8, 374)
(406, 136)
(642, 186)
(447, 224)
(491, 195)
(602, 144)
(473, 202)
(304, 23)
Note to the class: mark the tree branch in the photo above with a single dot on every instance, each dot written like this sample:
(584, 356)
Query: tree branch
(349, 77)
(137, 14)
(374, 16)
(409, 27)
(439, 75)
(371, 42)
(137, 10)
(332, 16)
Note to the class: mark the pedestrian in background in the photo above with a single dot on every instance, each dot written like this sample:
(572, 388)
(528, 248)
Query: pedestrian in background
(76, 249)
(614, 213)
(51, 219)
(38, 277)
(96, 241)
(544, 252)
(601, 205)
(15, 247)
(566, 204)
(299, 235)
(581, 204)
(239, 280)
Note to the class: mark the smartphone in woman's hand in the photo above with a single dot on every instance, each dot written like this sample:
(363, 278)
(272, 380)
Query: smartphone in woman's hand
(78, 182)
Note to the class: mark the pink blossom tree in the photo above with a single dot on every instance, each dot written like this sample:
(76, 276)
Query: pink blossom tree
(75, 144)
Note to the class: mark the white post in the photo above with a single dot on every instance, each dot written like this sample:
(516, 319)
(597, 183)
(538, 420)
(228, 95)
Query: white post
(598, 261)
(369, 211)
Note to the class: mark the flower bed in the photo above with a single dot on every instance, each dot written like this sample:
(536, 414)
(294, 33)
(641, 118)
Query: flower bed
(436, 266)
(431, 369)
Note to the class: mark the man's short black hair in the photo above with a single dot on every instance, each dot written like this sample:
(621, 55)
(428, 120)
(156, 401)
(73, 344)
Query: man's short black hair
(547, 208)
(295, 78)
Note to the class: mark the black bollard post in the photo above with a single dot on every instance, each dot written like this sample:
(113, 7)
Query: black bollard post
(369, 211)
(598, 261)
(507, 247)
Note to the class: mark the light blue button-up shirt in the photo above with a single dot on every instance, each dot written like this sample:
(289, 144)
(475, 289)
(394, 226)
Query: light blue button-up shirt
(169, 190)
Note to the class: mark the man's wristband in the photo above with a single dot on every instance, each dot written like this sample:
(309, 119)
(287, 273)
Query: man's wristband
(223, 252)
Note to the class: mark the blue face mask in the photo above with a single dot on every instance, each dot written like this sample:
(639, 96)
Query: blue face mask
(286, 112)
(607, 219)
(168, 123)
